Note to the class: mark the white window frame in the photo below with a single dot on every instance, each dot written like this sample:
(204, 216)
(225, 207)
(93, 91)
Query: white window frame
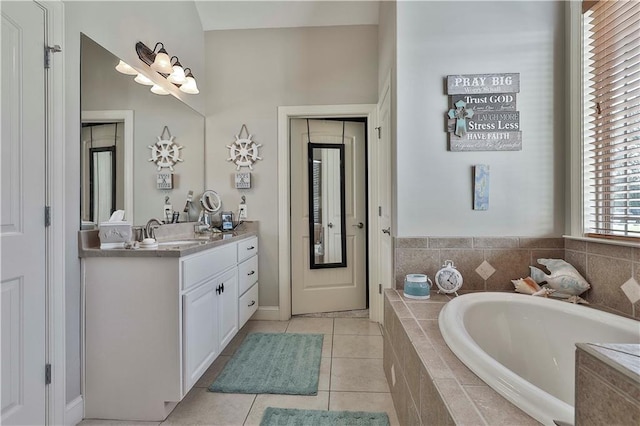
(575, 174)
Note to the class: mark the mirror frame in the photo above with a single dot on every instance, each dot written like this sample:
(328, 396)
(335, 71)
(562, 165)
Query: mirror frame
(92, 181)
(126, 117)
(312, 261)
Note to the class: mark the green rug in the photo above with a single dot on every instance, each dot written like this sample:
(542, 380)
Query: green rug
(281, 363)
(293, 417)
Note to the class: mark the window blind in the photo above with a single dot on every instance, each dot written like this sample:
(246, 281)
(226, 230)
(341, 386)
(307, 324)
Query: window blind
(611, 128)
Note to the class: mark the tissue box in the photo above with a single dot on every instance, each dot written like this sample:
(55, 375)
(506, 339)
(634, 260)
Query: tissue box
(114, 234)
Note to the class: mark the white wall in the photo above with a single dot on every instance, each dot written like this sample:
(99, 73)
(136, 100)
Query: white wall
(117, 26)
(434, 186)
(250, 74)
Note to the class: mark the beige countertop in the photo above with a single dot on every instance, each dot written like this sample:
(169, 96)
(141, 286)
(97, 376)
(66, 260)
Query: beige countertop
(89, 244)
(625, 358)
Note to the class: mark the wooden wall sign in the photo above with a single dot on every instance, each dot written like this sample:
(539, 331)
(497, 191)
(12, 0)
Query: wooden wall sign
(483, 83)
(482, 114)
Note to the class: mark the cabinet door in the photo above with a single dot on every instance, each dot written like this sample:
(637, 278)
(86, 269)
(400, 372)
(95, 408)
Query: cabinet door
(228, 307)
(200, 330)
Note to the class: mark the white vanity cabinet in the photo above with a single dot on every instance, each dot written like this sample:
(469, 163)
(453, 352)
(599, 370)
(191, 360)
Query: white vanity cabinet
(154, 324)
(210, 311)
(210, 321)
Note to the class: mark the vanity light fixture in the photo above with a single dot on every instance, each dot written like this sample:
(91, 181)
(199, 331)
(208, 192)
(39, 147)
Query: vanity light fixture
(174, 72)
(190, 86)
(177, 76)
(125, 68)
(159, 90)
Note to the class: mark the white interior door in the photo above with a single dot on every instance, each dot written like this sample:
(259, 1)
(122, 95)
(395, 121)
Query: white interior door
(385, 247)
(22, 244)
(328, 289)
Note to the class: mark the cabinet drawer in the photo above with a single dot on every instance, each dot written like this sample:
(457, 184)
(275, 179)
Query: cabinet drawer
(248, 274)
(247, 248)
(201, 266)
(248, 304)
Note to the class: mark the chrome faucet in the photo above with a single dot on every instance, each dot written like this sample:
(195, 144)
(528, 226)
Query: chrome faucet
(150, 229)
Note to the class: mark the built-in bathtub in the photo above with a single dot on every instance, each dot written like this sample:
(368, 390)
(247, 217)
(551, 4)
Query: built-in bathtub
(524, 346)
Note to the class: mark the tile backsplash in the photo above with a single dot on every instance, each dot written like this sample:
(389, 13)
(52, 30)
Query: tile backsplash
(606, 267)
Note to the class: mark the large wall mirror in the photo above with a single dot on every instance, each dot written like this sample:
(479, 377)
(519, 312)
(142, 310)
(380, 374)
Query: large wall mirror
(121, 119)
(327, 206)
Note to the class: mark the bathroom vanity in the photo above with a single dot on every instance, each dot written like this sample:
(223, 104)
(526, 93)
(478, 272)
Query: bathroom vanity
(155, 319)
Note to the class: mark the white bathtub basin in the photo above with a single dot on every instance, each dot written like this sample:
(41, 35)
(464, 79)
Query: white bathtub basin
(524, 346)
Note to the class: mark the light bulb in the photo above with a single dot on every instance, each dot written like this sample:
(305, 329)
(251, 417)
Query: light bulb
(143, 79)
(177, 76)
(125, 68)
(190, 86)
(159, 90)
(162, 63)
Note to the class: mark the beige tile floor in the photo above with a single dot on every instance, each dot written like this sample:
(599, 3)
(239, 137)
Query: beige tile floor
(351, 377)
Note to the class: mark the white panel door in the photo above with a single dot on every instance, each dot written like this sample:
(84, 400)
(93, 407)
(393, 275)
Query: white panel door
(331, 289)
(22, 234)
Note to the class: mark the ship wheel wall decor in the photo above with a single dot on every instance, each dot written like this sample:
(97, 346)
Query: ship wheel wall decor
(243, 152)
(165, 153)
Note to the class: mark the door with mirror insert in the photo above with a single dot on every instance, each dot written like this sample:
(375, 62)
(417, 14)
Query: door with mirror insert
(328, 215)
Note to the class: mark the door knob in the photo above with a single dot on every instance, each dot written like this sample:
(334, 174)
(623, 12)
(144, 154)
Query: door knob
(359, 225)
(387, 231)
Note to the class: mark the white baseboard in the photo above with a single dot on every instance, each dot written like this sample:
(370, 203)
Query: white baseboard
(74, 412)
(267, 313)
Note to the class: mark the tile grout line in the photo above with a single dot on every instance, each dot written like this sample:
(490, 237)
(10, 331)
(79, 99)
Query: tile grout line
(246, 418)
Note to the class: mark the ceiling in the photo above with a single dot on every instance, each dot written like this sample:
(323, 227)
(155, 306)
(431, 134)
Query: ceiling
(239, 14)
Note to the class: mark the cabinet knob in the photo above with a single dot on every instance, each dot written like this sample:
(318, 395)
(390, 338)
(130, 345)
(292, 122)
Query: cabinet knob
(251, 273)
(218, 290)
(250, 248)
(222, 288)
(253, 302)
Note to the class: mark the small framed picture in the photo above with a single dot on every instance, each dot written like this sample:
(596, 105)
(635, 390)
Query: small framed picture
(227, 221)
(243, 180)
(164, 181)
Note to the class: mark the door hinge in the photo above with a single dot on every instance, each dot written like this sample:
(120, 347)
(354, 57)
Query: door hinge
(47, 216)
(378, 129)
(48, 50)
(379, 210)
(379, 288)
(47, 374)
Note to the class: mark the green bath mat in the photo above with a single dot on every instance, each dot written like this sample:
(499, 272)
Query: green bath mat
(294, 417)
(281, 363)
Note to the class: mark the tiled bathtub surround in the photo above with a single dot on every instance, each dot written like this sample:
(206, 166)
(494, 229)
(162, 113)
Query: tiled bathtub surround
(607, 384)
(605, 266)
(510, 257)
(429, 385)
